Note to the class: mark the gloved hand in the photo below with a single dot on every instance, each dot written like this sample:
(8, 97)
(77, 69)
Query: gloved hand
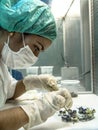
(42, 81)
(44, 107)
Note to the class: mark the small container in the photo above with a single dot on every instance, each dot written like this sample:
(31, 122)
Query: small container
(71, 85)
(32, 70)
(69, 73)
(47, 70)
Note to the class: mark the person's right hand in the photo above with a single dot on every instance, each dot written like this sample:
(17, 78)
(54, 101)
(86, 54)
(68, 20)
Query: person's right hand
(46, 105)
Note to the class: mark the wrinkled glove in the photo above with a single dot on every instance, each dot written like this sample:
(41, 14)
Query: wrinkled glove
(44, 107)
(42, 81)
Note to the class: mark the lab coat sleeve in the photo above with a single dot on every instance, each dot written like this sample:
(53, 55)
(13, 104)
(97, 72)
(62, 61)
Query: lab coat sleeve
(11, 87)
(8, 83)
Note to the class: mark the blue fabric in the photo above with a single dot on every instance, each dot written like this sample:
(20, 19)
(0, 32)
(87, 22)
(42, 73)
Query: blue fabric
(27, 16)
(17, 74)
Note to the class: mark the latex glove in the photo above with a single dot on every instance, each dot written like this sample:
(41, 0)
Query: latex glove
(44, 107)
(43, 81)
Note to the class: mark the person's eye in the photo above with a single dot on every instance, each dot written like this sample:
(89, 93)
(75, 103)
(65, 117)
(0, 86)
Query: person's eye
(36, 48)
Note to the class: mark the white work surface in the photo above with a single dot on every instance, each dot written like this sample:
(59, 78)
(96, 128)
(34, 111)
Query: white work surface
(55, 122)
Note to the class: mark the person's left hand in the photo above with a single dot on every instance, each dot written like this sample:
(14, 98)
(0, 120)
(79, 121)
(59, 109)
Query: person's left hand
(43, 81)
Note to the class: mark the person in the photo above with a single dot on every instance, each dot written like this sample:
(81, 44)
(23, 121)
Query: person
(27, 27)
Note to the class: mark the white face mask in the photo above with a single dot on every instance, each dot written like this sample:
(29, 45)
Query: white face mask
(18, 60)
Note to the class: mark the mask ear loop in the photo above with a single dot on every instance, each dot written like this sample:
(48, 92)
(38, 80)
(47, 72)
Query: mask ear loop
(23, 39)
(8, 40)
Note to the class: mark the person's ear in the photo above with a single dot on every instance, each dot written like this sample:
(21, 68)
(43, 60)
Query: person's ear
(11, 34)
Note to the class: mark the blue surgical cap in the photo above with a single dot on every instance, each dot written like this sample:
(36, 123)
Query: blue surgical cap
(27, 16)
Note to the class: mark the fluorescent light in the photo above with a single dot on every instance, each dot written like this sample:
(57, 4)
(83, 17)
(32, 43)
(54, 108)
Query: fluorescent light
(60, 7)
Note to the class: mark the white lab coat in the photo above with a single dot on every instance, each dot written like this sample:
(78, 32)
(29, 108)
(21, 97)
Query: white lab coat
(7, 84)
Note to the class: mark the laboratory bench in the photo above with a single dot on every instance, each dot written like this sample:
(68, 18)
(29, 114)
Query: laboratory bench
(55, 122)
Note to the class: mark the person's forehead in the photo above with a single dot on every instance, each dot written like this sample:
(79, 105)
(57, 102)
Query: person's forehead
(37, 37)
